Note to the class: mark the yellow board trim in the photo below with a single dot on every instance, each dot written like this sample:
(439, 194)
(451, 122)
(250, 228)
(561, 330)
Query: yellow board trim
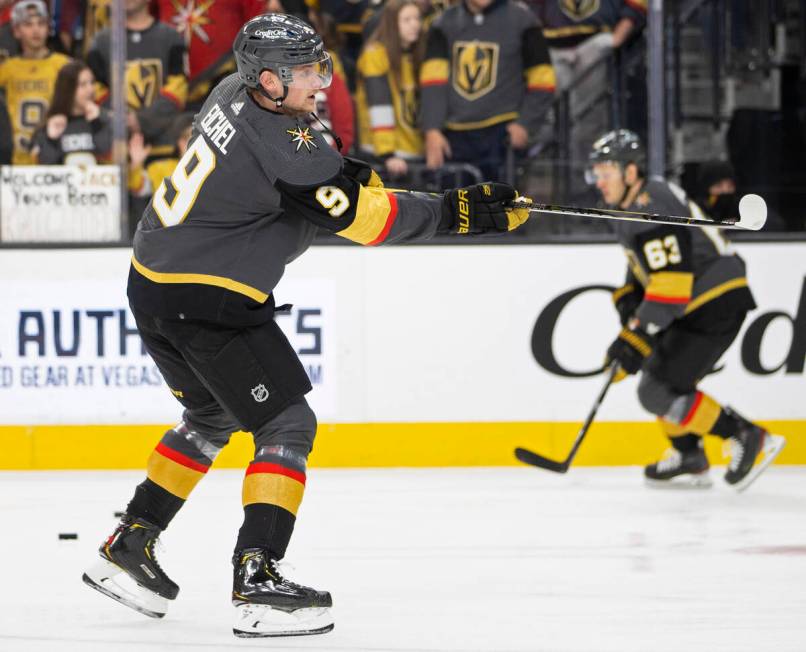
(371, 215)
(273, 489)
(204, 279)
(372, 444)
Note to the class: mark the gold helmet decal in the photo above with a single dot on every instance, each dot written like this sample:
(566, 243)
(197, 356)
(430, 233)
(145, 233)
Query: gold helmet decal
(578, 10)
(475, 68)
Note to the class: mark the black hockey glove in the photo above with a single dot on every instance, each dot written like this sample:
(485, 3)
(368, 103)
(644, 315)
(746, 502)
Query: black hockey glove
(627, 298)
(630, 349)
(483, 208)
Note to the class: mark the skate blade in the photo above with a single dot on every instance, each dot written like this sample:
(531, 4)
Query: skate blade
(104, 578)
(684, 482)
(260, 621)
(773, 445)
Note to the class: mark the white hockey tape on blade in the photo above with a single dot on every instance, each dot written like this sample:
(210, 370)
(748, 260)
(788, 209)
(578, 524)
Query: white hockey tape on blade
(752, 212)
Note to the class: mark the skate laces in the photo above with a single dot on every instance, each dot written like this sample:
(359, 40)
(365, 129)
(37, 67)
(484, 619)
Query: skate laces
(734, 450)
(280, 568)
(670, 461)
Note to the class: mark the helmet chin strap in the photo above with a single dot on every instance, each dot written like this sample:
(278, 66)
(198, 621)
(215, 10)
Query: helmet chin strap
(278, 101)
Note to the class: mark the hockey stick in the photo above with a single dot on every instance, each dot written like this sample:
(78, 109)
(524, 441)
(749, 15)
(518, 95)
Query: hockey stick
(529, 457)
(752, 214)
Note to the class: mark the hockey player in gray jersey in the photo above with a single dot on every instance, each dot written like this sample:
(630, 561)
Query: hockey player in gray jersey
(247, 198)
(683, 303)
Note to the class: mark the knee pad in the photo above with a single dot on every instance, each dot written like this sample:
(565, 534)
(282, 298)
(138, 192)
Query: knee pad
(655, 396)
(293, 429)
(210, 422)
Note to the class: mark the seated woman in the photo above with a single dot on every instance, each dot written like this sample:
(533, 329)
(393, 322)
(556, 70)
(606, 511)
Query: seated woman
(387, 95)
(76, 130)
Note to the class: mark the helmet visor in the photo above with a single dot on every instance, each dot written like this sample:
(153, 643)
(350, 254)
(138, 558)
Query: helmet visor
(311, 76)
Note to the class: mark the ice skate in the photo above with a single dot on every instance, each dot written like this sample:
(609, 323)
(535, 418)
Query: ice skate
(268, 604)
(129, 572)
(680, 470)
(752, 450)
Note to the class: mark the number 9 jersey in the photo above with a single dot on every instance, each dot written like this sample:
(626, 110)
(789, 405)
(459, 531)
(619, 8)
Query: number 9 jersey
(246, 199)
(677, 269)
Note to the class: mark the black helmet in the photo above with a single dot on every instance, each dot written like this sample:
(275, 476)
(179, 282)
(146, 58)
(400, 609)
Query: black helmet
(275, 42)
(620, 146)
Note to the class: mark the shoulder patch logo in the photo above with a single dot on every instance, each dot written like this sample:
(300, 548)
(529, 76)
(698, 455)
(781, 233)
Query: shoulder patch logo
(260, 393)
(236, 107)
(643, 200)
(302, 137)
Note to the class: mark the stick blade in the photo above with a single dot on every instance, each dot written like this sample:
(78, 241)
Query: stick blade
(533, 459)
(752, 213)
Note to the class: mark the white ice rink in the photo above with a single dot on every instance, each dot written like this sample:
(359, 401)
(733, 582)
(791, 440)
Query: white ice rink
(509, 559)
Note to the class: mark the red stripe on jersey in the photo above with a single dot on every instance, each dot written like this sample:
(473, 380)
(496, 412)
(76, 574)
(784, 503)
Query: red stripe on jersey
(434, 82)
(390, 220)
(384, 128)
(658, 298)
(268, 467)
(173, 98)
(693, 410)
(177, 457)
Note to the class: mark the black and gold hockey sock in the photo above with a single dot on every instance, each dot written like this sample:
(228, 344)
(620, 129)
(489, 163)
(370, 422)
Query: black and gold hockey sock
(272, 492)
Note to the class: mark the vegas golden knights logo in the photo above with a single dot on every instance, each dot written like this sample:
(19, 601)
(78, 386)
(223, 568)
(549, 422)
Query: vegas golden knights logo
(579, 9)
(143, 81)
(475, 68)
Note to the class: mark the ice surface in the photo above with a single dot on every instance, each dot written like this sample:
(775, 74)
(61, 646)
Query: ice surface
(434, 559)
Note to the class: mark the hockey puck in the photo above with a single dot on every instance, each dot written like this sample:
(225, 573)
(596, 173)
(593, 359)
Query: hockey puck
(67, 535)
(119, 514)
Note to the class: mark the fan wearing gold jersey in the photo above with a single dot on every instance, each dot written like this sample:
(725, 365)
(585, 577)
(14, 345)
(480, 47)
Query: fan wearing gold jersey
(28, 79)
(387, 97)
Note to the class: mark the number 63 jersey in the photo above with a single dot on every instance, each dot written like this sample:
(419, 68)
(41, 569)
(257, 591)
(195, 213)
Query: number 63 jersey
(244, 201)
(678, 269)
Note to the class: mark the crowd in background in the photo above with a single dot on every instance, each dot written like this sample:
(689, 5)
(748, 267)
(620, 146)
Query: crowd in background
(428, 91)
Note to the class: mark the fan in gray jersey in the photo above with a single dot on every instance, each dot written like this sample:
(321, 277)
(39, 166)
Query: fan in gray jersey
(246, 199)
(682, 305)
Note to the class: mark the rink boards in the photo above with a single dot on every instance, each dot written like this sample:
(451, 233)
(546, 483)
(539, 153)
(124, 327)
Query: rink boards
(419, 356)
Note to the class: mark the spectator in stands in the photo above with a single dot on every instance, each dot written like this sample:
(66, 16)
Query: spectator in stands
(335, 115)
(76, 130)
(388, 97)
(580, 33)
(208, 29)
(487, 81)
(146, 173)
(156, 84)
(349, 17)
(28, 79)
(9, 46)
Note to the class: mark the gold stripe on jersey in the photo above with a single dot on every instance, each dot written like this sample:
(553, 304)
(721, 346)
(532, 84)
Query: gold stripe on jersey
(434, 71)
(571, 30)
(374, 214)
(669, 287)
(480, 124)
(715, 292)
(541, 78)
(203, 279)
